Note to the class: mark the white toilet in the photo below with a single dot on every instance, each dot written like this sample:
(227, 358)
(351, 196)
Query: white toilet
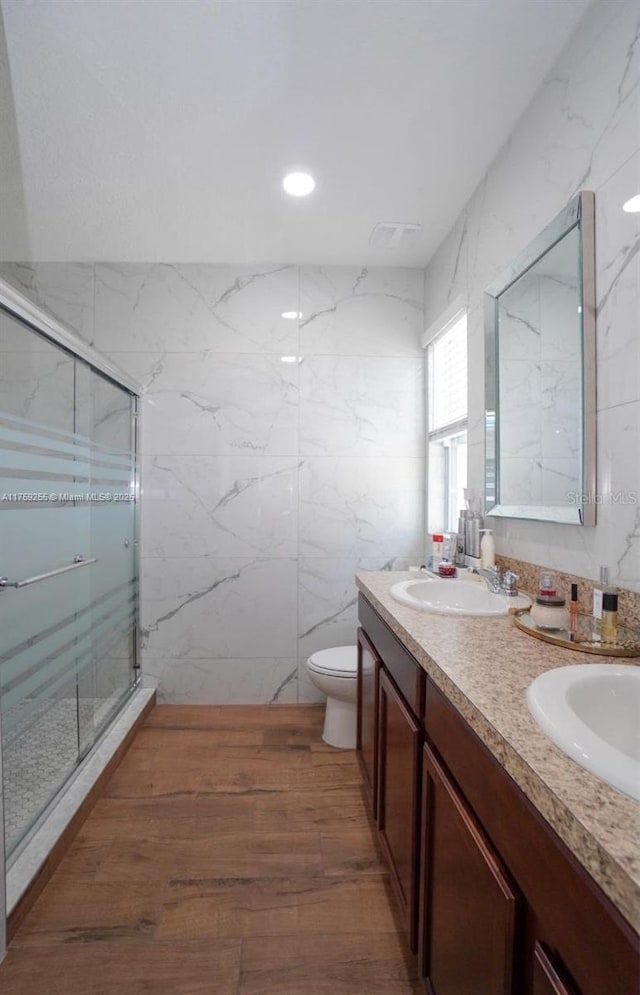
(334, 672)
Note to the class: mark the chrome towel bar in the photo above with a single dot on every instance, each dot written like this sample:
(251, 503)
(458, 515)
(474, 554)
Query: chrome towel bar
(78, 561)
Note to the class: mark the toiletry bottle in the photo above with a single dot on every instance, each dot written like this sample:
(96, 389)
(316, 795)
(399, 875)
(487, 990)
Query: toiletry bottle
(437, 547)
(573, 608)
(609, 620)
(472, 539)
(460, 542)
(487, 549)
(598, 592)
(547, 584)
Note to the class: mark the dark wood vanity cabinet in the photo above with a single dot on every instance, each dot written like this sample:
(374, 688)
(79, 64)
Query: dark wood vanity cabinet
(389, 748)
(470, 905)
(547, 977)
(367, 728)
(494, 902)
(399, 745)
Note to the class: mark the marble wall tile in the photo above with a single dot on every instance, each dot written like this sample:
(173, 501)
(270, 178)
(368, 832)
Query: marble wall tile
(561, 397)
(615, 542)
(37, 384)
(375, 311)
(352, 506)
(561, 339)
(369, 406)
(521, 480)
(65, 290)
(328, 607)
(219, 607)
(446, 278)
(217, 404)
(520, 397)
(220, 505)
(559, 478)
(579, 132)
(196, 308)
(618, 533)
(110, 411)
(618, 288)
(229, 505)
(328, 600)
(519, 320)
(225, 682)
(475, 376)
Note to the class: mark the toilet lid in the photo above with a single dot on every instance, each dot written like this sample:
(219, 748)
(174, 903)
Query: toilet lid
(340, 661)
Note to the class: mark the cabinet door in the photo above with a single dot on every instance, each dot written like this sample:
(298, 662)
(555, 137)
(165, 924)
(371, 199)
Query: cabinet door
(399, 757)
(469, 905)
(549, 978)
(367, 732)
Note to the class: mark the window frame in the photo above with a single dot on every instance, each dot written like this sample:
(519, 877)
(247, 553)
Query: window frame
(451, 317)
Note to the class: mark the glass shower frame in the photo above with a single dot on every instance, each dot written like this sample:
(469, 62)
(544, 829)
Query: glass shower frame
(16, 306)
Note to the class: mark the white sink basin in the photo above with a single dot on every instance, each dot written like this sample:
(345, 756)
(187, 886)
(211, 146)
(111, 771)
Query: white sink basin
(592, 712)
(459, 596)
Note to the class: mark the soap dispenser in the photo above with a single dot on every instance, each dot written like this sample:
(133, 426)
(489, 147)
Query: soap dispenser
(487, 550)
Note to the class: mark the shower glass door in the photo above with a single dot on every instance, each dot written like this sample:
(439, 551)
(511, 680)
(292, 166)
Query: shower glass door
(67, 541)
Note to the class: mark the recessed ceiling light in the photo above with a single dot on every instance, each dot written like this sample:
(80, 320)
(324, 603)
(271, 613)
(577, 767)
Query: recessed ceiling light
(298, 184)
(632, 206)
(289, 359)
(291, 315)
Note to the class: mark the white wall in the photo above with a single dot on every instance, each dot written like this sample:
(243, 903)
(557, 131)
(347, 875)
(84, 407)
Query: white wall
(14, 241)
(581, 131)
(266, 484)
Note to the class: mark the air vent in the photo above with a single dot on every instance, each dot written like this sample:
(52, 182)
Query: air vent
(394, 234)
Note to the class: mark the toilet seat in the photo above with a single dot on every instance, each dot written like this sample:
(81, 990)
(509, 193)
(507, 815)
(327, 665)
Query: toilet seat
(339, 661)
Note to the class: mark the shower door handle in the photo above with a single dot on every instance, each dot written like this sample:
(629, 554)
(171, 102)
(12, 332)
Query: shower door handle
(78, 561)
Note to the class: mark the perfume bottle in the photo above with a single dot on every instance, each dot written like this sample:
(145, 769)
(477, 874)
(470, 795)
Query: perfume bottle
(573, 609)
(609, 620)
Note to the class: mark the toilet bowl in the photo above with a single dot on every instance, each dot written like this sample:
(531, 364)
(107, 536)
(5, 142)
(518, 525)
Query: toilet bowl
(334, 673)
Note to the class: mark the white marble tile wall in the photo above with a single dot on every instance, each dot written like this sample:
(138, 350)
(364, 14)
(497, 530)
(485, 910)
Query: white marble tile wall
(579, 133)
(266, 484)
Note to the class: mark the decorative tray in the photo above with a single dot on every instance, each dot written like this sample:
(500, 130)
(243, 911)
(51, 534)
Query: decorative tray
(585, 640)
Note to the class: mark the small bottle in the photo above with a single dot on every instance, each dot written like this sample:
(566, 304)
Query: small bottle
(547, 584)
(487, 549)
(472, 539)
(460, 541)
(573, 609)
(599, 592)
(609, 620)
(437, 550)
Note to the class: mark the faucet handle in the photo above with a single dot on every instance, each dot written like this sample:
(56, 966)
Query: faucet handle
(509, 582)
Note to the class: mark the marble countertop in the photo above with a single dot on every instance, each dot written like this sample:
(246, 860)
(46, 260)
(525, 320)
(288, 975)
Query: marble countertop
(484, 666)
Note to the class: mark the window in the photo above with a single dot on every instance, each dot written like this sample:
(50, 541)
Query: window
(447, 424)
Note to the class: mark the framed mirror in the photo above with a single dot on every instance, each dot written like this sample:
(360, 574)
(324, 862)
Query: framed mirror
(540, 376)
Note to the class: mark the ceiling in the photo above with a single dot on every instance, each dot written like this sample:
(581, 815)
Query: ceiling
(159, 130)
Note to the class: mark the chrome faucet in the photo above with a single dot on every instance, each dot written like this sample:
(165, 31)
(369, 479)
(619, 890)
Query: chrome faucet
(499, 583)
(509, 585)
(492, 578)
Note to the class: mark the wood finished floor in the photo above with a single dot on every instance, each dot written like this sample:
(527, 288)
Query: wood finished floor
(231, 854)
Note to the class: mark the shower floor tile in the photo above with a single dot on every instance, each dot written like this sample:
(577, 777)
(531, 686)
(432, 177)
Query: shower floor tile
(39, 752)
(37, 758)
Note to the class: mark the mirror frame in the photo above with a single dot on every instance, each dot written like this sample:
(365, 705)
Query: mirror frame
(579, 213)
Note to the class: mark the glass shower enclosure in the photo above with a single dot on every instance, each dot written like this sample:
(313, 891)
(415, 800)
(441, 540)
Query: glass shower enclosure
(68, 560)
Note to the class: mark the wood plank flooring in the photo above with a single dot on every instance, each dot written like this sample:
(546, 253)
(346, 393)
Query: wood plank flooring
(231, 854)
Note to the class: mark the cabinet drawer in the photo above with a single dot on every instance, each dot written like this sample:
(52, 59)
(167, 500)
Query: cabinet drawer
(407, 674)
